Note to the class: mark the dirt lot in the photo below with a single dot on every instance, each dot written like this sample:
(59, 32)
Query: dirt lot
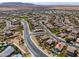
(66, 8)
(39, 7)
(13, 8)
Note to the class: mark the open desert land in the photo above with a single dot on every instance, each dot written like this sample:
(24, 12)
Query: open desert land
(5, 8)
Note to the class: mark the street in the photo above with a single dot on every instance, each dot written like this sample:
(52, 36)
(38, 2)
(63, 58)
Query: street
(57, 38)
(29, 43)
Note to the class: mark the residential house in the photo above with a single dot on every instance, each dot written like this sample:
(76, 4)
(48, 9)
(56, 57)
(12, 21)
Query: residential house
(78, 53)
(77, 42)
(62, 34)
(38, 30)
(49, 41)
(2, 20)
(60, 46)
(15, 22)
(74, 31)
(67, 20)
(34, 23)
(8, 33)
(71, 51)
(37, 27)
(44, 37)
(49, 26)
(14, 27)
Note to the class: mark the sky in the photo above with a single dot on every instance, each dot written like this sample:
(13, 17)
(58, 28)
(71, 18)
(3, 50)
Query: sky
(45, 2)
(56, 3)
(53, 3)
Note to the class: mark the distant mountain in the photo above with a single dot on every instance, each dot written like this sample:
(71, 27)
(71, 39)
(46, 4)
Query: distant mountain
(16, 4)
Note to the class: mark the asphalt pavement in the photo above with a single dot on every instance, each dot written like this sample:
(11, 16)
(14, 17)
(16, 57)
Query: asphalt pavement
(30, 44)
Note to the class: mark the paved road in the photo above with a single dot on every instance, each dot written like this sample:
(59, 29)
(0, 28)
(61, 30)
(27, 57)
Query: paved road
(54, 36)
(29, 43)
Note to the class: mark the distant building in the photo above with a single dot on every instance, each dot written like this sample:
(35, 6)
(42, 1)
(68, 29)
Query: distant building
(7, 52)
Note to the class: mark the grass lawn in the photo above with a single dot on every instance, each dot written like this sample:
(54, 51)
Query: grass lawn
(55, 31)
(60, 55)
(2, 48)
(17, 50)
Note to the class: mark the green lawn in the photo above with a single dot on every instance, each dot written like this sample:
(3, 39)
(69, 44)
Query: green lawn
(16, 50)
(60, 55)
(55, 31)
(2, 48)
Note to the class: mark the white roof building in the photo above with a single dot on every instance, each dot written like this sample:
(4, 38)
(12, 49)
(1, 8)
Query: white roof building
(18, 55)
(9, 50)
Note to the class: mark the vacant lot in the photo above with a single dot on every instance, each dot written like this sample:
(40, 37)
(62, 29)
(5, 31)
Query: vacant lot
(39, 7)
(66, 7)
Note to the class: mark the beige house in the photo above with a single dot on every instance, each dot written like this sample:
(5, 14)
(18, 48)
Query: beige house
(77, 44)
(2, 20)
(71, 49)
(38, 30)
(62, 34)
(44, 37)
(77, 41)
(49, 26)
(74, 31)
(78, 53)
(49, 41)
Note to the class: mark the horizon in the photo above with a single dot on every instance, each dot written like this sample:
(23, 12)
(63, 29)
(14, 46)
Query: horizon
(51, 3)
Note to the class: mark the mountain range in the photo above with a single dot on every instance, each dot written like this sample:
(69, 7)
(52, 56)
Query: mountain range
(16, 4)
(40, 4)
